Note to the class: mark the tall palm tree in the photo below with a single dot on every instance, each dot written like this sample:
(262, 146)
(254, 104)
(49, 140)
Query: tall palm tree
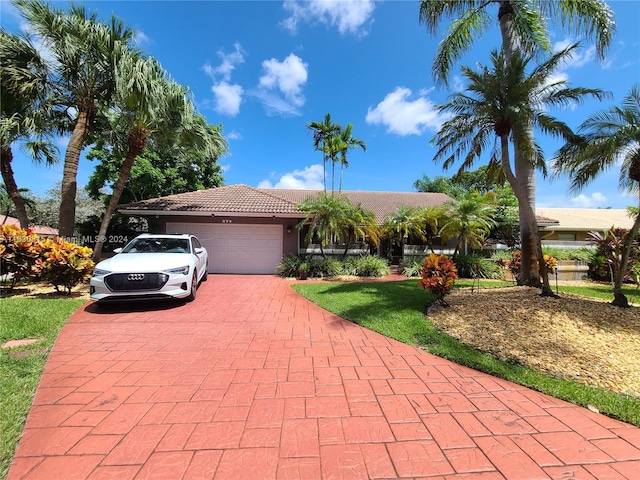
(146, 101)
(85, 53)
(499, 99)
(605, 138)
(469, 220)
(523, 27)
(322, 133)
(25, 116)
(347, 142)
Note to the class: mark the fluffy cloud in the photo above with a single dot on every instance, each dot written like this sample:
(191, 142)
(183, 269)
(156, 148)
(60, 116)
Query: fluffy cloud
(351, 16)
(228, 96)
(579, 57)
(594, 200)
(280, 86)
(403, 116)
(308, 179)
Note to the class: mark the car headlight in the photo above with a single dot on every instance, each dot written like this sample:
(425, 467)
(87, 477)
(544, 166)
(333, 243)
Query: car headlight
(182, 270)
(100, 273)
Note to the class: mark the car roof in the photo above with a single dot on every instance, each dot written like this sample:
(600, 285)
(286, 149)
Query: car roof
(164, 235)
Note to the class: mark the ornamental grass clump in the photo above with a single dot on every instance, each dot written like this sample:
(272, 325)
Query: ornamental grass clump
(439, 274)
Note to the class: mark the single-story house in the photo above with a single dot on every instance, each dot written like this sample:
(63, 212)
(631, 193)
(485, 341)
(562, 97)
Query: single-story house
(248, 230)
(40, 230)
(571, 226)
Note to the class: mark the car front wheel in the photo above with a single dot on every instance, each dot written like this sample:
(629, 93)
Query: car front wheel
(194, 288)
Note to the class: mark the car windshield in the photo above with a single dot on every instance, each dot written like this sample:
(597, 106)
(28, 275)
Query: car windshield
(157, 245)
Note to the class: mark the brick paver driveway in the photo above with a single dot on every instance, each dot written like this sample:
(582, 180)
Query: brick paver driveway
(251, 381)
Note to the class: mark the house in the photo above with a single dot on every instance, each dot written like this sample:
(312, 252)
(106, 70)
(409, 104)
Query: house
(248, 230)
(40, 230)
(570, 227)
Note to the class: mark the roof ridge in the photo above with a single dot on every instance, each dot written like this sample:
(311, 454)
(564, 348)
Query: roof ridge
(264, 192)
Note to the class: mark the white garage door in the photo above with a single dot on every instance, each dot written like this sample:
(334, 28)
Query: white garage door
(237, 248)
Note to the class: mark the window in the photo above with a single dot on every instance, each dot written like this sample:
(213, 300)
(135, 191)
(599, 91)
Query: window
(567, 237)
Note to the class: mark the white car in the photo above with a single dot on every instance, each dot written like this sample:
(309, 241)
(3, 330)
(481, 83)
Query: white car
(151, 266)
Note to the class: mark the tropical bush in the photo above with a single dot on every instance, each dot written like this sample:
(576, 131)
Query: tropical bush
(515, 263)
(324, 268)
(605, 261)
(474, 266)
(64, 264)
(289, 265)
(366, 266)
(24, 255)
(581, 254)
(19, 250)
(412, 266)
(439, 273)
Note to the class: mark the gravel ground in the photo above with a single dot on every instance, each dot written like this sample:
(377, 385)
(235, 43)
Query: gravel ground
(572, 337)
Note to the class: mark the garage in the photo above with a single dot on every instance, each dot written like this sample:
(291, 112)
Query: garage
(233, 248)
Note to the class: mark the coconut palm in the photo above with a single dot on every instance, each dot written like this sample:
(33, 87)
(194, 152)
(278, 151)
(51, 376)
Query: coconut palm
(84, 53)
(469, 220)
(322, 133)
(499, 99)
(25, 116)
(606, 138)
(523, 27)
(347, 142)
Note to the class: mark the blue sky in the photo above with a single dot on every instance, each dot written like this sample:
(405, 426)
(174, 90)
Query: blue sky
(265, 69)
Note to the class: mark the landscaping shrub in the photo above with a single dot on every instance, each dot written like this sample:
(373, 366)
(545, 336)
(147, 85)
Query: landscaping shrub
(24, 255)
(289, 265)
(439, 274)
(19, 250)
(474, 266)
(412, 266)
(581, 254)
(324, 268)
(370, 266)
(515, 263)
(64, 264)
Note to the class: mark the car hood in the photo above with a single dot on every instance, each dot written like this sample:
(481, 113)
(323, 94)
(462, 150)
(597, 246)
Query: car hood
(144, 262)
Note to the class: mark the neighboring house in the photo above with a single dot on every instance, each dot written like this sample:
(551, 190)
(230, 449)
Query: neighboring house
(248, 230)
(39, 230)
(570, 227)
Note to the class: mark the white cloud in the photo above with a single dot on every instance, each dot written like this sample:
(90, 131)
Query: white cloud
(579, 57)
(406, 117)
(228, 96)
(310, 178)
(233, 135)
(141, 39)
(280, 86)
(349, 16)
(594, 200)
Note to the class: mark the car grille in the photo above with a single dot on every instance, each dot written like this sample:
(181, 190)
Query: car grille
(135, 282)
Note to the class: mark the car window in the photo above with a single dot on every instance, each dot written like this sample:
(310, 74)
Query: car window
(196, 243)
(157, 245)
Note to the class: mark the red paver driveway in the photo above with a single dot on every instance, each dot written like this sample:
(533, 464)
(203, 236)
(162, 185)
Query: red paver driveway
(252, 381)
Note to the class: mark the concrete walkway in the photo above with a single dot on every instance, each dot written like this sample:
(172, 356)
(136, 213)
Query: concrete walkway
(252, 381)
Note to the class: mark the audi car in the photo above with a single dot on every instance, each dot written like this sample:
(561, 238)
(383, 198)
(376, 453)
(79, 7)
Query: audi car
(151, 266)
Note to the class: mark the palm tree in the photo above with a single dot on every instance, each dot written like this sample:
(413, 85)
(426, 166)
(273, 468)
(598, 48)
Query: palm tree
(469, 220)
(326, 216)
(523, 27)
(347, 142)
(430, 220)
(406, 221)
(322, 133)
(360, 223)
(85, 53)
(607, 137)
(499, 99)
(23, 92)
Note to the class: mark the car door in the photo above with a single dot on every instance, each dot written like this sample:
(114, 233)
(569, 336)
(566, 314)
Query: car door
(201, 263)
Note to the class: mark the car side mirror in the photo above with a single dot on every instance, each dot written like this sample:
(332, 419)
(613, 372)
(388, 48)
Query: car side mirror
(117, 250)
(198, 250)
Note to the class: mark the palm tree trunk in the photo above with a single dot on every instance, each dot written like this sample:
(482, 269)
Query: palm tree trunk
(619, 298)
(6, 157)
(118, 188)
(524, 168)
(67, 217)
(530, 216)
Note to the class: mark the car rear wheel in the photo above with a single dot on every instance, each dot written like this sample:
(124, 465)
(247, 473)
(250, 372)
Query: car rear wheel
(194, 288)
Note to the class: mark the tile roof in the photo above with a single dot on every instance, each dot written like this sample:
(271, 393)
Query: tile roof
(37, 229)
(586, 219)
(245, 200)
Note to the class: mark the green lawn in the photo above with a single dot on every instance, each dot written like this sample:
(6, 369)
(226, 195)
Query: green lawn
(21, 368)
(396, 309)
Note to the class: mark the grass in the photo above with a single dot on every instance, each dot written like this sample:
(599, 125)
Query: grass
(396, 310)
(21, 368)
